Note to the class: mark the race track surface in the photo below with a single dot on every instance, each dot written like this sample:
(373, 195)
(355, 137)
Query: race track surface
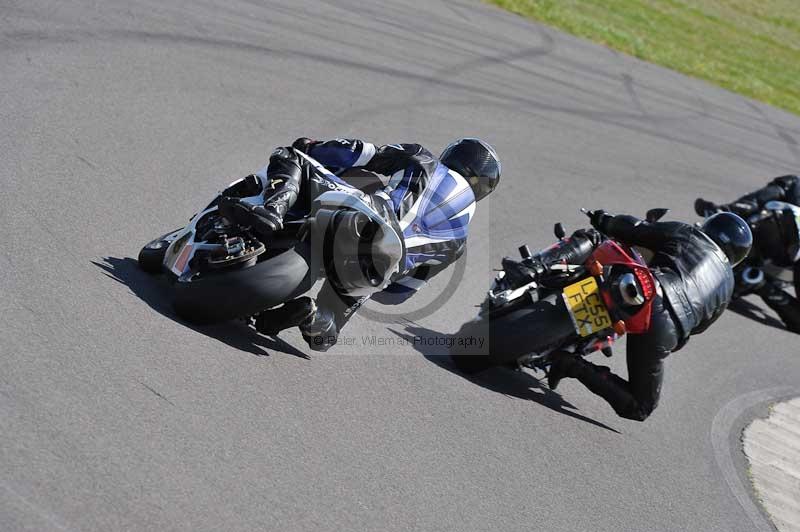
(121, 118)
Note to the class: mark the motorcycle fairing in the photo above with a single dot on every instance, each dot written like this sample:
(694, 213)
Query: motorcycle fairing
(183, 244)
(610, 253)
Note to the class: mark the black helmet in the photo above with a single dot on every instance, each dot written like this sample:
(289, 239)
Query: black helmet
(731, 234)
(477, 162)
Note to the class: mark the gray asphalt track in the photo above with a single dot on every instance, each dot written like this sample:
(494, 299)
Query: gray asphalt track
(120, 118)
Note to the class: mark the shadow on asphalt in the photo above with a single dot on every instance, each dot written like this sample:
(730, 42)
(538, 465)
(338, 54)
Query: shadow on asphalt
(505, 381)
(749, 310)
(154, 290)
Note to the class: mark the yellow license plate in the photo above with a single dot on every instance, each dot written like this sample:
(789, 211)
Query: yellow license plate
(586, 307)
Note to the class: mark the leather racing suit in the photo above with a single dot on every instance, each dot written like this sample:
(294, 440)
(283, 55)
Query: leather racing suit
(695, 284)
(433, 206)
(768, 245)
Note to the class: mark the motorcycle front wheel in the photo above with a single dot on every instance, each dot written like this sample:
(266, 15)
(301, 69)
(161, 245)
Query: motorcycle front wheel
(502, 339)
(151, 256)
(217, 296)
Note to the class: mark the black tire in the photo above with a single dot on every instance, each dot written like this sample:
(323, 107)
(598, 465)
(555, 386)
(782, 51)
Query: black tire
(151, 258)
(228, 294)
(500, 340)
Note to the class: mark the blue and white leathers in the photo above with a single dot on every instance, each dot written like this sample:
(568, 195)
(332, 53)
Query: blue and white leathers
(433, 204)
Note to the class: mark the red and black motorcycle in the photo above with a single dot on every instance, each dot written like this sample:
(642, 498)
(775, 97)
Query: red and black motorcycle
(532, 312)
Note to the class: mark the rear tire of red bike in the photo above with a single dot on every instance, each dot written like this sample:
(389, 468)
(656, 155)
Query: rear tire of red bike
(501, 340)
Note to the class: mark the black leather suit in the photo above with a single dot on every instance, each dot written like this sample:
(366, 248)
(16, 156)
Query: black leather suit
(767, 246)
(696, 283)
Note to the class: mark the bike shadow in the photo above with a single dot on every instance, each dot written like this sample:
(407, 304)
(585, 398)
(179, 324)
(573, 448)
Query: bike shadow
(519, 384)
(153, 291)
(754, 312)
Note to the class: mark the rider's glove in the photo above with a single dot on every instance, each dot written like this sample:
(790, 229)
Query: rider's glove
(591, 235)
(786, 182)
(521, 273)
(705, 208)
(599, 220)
(304, 144)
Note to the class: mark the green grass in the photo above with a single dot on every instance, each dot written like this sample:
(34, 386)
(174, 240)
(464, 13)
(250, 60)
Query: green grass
(748, 46)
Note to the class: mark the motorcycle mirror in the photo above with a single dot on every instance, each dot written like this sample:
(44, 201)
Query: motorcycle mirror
(558, 229)
(654, 215)
(525, 252)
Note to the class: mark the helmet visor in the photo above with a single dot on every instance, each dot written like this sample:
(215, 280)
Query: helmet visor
(482, 186)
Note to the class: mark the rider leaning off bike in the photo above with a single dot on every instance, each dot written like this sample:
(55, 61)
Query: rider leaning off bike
(693, 267)
(777, 239)
(429, 200)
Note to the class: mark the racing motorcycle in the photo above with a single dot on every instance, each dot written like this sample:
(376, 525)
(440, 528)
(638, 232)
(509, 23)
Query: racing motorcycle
(531, 311)
(222, 271)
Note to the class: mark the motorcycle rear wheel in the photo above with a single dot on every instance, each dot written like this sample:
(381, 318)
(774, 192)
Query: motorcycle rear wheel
(508, 337)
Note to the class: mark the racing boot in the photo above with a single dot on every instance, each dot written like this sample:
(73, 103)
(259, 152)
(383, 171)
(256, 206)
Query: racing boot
(598, 380)
(275, 208)
(320, 331)
(564, 365)
(786, 306)
(284, 173)
(617, 391)
(262, 221)
(291, 314)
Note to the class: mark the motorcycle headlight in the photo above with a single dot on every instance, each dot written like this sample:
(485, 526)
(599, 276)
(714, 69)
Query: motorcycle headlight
(157, 244)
